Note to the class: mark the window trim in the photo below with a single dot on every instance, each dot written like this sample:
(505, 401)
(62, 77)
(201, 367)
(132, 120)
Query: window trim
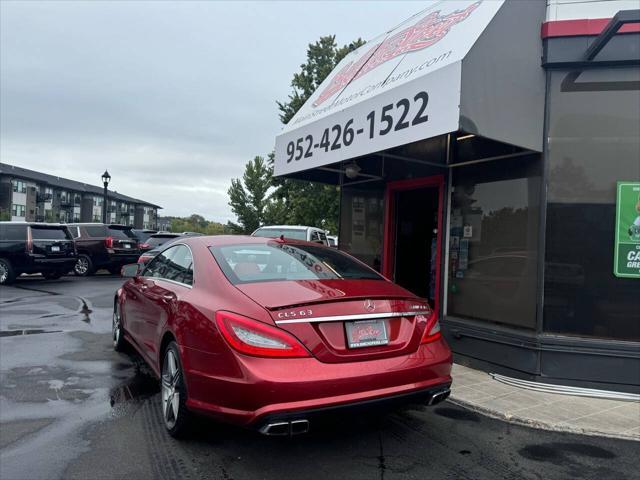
(193, 267)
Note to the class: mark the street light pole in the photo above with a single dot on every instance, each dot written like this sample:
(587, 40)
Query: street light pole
(105, 181)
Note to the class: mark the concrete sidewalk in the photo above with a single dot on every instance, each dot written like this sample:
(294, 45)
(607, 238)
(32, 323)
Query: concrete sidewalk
(478, 391)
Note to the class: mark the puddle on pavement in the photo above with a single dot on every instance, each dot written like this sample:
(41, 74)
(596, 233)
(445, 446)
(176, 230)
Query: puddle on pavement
(559, 453)
(141, 386)
(85, 310)
(30, 331)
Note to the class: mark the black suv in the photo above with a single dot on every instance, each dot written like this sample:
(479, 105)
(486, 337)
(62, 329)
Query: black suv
(103, 246)
(45, 248)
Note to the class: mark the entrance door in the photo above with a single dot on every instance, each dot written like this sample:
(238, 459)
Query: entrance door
(412, 236)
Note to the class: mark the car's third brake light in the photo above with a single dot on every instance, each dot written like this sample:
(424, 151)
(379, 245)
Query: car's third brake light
(258, 339)
(108, 242)
(432, 330)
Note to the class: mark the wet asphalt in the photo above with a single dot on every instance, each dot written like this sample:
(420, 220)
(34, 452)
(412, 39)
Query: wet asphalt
(71, 407)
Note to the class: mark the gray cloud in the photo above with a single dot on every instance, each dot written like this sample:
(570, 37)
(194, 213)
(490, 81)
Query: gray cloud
(172, 97)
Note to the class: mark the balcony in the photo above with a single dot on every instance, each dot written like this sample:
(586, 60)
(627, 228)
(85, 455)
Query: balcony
(66, 202)
(43, 197)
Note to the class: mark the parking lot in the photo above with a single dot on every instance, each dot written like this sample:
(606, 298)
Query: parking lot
(70, 407)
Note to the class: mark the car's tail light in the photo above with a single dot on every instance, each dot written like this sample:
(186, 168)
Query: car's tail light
(29, 241)
(258, 339)
(108, 242)
(432, 331)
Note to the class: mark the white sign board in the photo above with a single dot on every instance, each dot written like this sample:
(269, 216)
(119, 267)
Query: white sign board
(398, 88)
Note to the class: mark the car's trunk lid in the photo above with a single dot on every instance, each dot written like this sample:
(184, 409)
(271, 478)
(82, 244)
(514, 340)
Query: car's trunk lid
(323, 315)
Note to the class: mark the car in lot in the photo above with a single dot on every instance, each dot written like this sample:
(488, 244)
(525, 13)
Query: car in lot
(103, 246)
(294, 232)
(44, 248)
(142, 234)
(332, 240)
(156, 242)
(270, 333)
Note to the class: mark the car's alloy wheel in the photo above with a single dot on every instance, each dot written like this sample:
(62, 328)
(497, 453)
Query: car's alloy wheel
(83, 266)
(6, 273)
(173, 396)
(116, 328)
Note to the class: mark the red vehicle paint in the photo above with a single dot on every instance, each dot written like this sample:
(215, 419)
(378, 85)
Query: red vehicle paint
(260, 335)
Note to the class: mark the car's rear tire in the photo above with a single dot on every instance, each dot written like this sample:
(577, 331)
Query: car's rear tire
(117, 330)
(173, 395)
(84, 266)
(7, 274)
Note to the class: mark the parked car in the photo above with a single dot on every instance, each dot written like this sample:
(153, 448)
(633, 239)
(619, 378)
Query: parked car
(269, 333)
(149, 254)
(103, 246)
(294, 232)
(333, 241)
(45, 248)
(142, 234)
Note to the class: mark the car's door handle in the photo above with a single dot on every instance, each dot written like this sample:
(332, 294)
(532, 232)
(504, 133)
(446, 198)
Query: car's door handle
(168, 297)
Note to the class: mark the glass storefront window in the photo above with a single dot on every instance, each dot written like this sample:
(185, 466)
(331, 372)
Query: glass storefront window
(493, 241)
(362, 224)
(594, 121)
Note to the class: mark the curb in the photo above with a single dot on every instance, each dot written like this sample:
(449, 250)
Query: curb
(528, 422)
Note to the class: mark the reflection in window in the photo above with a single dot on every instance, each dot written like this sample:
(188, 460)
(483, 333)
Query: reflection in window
(593, 144)
(493, 242)
(362, 223)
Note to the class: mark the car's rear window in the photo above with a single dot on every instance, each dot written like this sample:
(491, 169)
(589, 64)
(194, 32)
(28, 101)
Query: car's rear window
(51, 233)
(157, 240)
(250, 263)
(292, 233)
(96, 231)
(124, 233)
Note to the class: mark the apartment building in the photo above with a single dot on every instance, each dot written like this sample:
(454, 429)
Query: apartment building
(27, 195)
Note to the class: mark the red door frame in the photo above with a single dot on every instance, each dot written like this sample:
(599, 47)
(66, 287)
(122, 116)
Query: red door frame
(388, 257)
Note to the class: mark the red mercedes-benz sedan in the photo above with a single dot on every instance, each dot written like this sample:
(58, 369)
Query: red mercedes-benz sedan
(269, 333)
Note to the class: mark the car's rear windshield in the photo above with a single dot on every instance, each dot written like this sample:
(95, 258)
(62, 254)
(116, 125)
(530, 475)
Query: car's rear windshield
(249, 263)
(157, 240)
(124, 233)
(292, 233)
(142, 236)
(50, 233)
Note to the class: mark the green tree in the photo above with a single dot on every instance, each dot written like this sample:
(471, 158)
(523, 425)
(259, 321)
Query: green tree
(249, 197)
(303, 202)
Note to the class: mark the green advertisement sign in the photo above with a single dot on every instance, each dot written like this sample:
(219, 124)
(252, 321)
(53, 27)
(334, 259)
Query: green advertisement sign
(626, 262)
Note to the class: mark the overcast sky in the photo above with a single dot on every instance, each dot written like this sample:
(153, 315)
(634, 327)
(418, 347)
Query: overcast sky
(172, 97)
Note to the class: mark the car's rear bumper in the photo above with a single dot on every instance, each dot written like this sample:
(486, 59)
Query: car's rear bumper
(261, 389)
(123, 259)
(45, 263)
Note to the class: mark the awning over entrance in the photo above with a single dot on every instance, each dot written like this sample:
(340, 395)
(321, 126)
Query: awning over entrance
(471, 66)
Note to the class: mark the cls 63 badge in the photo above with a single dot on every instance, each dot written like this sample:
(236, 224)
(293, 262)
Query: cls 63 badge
(295, 314)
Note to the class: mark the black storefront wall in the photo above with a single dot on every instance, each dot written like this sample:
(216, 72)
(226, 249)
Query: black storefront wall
(533, 295)
(588, 320)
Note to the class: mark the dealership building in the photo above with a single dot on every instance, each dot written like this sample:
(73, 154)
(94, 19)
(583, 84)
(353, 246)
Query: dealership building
(488, 158)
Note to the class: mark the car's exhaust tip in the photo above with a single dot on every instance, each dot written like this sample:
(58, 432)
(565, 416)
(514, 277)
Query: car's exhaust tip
(294, 427)
(439, 397)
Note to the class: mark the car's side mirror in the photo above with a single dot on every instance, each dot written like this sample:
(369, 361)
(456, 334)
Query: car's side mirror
(130, 271)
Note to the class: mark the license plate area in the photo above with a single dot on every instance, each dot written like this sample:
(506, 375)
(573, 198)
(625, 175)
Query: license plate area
(55, 248)
(366, 333)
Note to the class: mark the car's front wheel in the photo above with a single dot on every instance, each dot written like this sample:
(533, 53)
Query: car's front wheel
(174, 393)
(116, 328)
(84, 266)
(7, 275)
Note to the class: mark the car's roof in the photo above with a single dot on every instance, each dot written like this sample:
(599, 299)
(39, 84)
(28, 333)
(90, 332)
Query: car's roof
(286, 227)
(222, 240)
